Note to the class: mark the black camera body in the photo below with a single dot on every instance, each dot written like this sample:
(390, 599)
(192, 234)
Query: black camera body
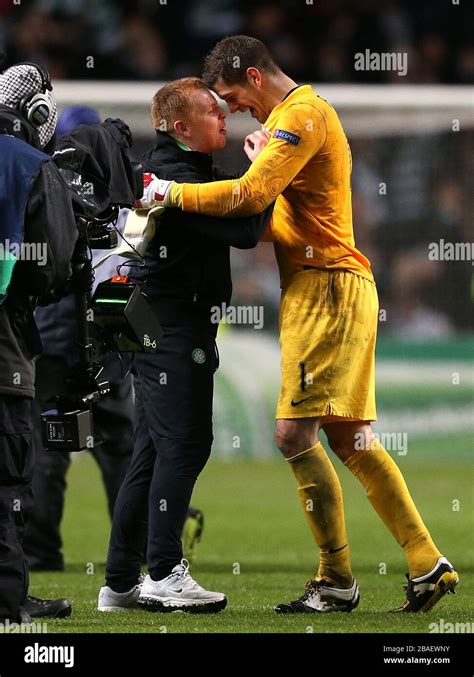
(67, 431)
(95, 165)
(122, 321)
(69, 425)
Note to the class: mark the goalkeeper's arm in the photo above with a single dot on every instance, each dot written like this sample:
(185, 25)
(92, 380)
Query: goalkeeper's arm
(268, 176)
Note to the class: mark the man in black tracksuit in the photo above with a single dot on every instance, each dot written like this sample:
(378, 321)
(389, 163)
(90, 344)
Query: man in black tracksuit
(187, 273)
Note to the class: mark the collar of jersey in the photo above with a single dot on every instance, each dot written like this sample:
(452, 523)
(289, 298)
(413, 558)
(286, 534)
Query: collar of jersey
(285, 100)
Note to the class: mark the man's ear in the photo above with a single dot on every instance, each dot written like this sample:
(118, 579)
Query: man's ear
(181, 128)
(254, 77)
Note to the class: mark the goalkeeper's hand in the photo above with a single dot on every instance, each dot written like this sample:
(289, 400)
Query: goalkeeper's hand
(255, 143)
(155, 192)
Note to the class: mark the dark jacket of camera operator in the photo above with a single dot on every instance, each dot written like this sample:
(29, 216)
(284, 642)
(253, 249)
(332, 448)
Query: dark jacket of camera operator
(37, 237)
(187, 269)
(36, 204)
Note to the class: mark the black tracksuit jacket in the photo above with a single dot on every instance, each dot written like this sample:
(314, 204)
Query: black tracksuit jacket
(187, 264)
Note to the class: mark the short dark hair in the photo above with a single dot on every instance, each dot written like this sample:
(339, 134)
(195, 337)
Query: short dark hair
(231, 57)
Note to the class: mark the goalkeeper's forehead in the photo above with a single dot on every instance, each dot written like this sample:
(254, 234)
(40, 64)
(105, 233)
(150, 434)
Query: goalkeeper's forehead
(226, 91)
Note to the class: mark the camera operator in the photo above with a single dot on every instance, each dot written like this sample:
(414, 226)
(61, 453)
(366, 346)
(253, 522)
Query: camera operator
(37, 238)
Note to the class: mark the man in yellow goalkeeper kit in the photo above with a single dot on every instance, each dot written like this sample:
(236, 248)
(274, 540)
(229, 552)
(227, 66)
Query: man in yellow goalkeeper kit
(328, 320)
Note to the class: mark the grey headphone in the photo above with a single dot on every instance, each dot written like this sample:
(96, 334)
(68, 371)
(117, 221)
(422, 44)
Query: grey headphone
(37, 107)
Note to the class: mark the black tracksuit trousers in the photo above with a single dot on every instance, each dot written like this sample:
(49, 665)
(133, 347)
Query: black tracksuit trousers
(172, 442)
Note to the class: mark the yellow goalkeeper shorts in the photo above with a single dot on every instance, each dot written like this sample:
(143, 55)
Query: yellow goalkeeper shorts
(328, 330)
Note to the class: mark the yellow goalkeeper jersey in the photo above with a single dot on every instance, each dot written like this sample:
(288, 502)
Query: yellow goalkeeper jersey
(306, 166)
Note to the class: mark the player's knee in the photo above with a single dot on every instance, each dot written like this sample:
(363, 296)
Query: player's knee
(346, 439)
(292, 439)
(283, 440)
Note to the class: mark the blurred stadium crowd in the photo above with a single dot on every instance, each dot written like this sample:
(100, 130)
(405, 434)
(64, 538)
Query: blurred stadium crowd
(427, 196)
(164, 39)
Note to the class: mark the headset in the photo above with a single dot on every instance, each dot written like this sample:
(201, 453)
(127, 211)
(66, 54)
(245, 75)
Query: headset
(37, 108)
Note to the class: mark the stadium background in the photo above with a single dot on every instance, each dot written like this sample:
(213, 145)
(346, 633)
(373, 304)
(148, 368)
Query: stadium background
(412, 145)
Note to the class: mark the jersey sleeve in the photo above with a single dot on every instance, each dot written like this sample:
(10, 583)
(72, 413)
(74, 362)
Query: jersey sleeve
(300, 133)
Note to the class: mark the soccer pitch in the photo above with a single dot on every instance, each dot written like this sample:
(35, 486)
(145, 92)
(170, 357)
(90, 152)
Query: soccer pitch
(258, 550)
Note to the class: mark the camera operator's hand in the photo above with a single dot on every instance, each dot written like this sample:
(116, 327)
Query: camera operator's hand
(155, 192)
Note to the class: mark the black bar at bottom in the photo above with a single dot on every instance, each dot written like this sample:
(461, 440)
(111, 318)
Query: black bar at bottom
(310, 654)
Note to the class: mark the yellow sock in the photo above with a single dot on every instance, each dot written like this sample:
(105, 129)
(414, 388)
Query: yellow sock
(321, 498)
(388, 493)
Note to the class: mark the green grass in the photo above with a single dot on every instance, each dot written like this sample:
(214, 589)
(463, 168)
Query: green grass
(253, 520)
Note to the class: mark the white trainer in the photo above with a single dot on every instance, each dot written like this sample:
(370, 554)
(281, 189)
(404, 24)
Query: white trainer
(179, 592)
(119, 601)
